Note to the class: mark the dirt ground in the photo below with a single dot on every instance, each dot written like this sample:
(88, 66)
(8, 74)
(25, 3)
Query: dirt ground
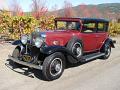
(95, 75)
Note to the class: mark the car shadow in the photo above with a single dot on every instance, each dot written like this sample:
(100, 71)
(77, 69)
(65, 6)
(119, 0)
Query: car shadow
(24, 70)
(34, 73)
(69, 65)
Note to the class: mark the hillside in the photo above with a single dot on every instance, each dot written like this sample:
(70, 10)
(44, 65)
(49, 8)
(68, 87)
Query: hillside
(94, 10)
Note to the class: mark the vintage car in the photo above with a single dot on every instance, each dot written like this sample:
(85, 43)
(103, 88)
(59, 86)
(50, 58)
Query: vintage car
(73, 40)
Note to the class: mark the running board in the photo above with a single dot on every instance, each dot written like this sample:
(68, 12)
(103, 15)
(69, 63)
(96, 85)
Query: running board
(92, 56)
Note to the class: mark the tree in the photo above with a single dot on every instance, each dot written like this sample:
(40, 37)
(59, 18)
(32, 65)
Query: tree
(16, 8)
(55, 10)
(5, 21)
(68, 10)
(38, 8)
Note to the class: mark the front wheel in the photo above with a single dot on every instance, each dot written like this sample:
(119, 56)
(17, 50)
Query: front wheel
(53, 66)
(16, 55)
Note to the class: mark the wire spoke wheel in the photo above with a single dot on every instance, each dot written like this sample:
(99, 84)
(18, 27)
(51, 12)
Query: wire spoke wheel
(56, 67)
(107, 51)
(53, 66)
(76, 49)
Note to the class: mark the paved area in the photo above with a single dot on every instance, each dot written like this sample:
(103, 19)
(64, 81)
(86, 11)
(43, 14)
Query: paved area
(94, 75)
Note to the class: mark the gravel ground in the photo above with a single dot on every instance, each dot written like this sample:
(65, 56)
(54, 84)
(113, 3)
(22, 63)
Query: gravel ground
(94, 75)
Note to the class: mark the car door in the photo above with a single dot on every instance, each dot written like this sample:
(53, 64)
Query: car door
(102, 34)
(88, 34)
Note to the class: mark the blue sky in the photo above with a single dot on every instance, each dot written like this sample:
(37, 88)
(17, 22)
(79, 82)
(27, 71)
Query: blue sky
(25, 4)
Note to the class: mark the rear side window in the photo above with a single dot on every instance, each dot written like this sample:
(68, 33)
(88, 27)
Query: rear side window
(102, 27)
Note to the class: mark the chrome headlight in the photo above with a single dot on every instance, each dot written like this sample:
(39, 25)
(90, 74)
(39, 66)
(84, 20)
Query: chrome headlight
(43, 35)
(38, 42)
(24, 39)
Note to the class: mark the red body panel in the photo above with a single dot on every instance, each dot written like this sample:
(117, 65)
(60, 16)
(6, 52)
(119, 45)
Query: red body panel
(91, 41)
(101, 38)
(60, 35)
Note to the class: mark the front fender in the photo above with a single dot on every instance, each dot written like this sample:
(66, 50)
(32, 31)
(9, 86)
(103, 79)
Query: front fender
(20, 47)
(52, 49)
(16, 42)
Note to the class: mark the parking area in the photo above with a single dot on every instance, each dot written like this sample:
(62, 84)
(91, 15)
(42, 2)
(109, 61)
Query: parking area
(95, 75)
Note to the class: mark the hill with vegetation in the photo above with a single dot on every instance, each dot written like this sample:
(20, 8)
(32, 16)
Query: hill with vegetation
(102, 10)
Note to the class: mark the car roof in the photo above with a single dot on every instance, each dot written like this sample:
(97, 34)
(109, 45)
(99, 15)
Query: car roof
(83, 19)
(94, 19)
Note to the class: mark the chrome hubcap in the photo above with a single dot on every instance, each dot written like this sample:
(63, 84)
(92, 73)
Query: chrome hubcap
(56, 67)
(107, 51)
(77, 49)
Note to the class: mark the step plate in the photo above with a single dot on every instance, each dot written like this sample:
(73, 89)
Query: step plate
(92, 56)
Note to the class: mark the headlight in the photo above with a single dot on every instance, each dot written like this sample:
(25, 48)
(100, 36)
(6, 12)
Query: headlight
(24, 39)
(38, 42)
(43, 35)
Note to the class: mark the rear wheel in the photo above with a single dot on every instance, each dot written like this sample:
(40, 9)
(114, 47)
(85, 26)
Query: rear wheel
(53, 66)
(107, 50)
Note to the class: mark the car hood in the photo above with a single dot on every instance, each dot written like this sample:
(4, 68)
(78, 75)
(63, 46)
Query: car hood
(60, 35)
(56, 33)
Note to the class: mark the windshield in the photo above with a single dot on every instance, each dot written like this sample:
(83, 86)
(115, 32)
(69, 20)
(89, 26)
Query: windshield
(67, 25)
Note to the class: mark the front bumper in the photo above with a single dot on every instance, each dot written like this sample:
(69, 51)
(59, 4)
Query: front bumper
(39, 67)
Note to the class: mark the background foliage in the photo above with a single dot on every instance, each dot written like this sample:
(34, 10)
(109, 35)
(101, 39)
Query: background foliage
(15, 26)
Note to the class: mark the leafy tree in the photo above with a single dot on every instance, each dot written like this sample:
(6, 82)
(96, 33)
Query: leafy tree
(38, 8)
(15, 8)
(68, 10)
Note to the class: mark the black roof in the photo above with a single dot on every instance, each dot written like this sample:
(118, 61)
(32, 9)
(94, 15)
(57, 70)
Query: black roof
(84, 19)
(94, 19)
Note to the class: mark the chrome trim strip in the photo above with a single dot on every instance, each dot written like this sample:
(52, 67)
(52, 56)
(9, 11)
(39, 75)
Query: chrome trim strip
(101, 54)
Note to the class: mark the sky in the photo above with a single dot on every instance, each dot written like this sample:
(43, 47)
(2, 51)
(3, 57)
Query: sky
(26, 4)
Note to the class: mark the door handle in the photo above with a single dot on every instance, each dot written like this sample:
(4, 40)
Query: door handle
(97, 36)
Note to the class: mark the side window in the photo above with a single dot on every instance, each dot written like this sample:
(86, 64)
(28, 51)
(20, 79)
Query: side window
(89, 27)
(71, 25)
(102, 27)
(61, 25)
(67, 25)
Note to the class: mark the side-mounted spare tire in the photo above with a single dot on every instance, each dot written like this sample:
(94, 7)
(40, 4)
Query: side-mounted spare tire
(75, 46)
